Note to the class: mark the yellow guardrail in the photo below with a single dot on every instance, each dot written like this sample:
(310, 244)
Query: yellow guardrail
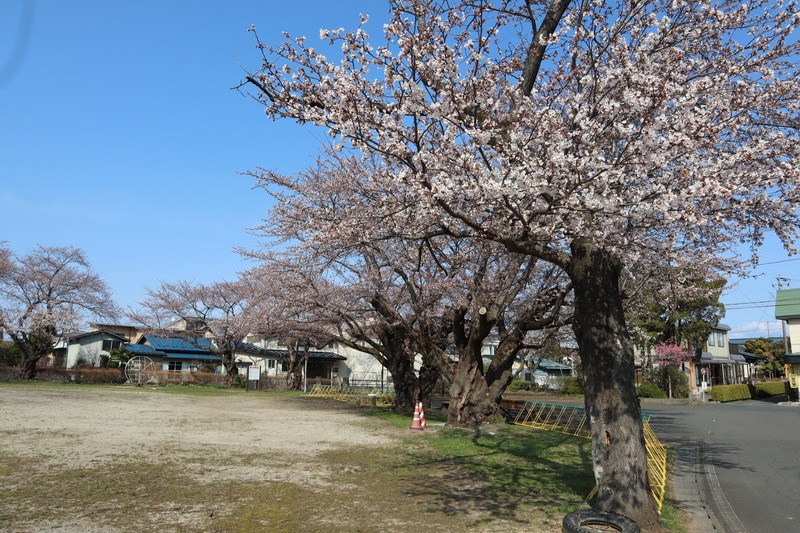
(353, 394)
(572, 420)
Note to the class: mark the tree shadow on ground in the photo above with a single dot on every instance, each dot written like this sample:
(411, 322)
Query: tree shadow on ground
(501, 474)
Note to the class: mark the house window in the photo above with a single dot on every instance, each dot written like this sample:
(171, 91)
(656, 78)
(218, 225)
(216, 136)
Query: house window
(711, 339)
(109, 345)
(175, 366)
(335, 371)
(284, 366)
(720, 338)
(271, 364)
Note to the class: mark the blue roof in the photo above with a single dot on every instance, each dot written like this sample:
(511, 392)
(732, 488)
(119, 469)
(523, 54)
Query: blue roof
(192, 356)
(174, 344)
(552, 365)
(142, 349)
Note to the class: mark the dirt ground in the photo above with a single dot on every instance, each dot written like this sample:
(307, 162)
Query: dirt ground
(60, 429)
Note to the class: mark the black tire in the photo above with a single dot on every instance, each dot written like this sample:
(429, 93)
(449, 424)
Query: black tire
(575, 521)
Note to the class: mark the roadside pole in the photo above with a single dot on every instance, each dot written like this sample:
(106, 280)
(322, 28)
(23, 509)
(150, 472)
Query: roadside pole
(305, 373)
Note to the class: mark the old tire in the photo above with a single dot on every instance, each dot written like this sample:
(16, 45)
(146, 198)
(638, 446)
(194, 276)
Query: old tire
(581, 522)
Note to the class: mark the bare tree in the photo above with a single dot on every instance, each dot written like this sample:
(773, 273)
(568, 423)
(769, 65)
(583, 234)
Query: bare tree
(43, 295)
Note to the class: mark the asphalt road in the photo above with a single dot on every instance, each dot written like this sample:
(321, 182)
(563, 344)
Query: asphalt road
(752, 454)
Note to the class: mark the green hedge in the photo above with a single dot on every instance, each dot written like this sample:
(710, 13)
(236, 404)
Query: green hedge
(732, 393)
(518, 385)
(649, 390)
(769, 388)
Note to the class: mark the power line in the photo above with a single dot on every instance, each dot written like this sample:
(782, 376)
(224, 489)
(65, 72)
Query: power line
(781, 261)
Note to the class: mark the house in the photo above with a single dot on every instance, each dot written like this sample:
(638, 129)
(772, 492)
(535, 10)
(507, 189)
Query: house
(87, 348)
(176, 354)
(548, 374)
(131, 333)
(716, 364)
(273, 358)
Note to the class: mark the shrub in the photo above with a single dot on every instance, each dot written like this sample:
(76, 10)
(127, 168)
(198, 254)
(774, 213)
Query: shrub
(730, 393)
(665, 376)
(96, 375)
(649, 390)
(767, 389)
(572, 386)
(9, 354)
(518, 385)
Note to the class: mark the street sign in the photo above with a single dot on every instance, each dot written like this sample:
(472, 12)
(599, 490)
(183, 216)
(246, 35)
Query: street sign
(254, 373)
(791, 373)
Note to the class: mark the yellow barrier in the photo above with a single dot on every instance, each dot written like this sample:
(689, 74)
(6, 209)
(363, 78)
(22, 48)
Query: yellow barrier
(353, 394)
(572, 420)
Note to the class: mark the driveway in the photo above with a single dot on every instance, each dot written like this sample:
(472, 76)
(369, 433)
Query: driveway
(752, 459)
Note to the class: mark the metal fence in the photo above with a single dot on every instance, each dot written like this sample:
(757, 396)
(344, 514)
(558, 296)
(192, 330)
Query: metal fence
(572, 420)
(354, 394)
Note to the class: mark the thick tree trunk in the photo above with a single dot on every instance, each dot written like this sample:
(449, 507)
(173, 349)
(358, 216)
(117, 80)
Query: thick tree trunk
(619, 455)
(472, 402)
(406, 385)
(231, 370)
(29, 367)
(428, 375)
(294, 378)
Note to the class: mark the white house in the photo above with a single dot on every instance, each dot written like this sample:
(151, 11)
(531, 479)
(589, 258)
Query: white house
(87, 348)
(717, 364)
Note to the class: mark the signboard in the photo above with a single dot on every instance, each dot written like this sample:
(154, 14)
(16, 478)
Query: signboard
(791, 373)
(253, 373)
(704, 386)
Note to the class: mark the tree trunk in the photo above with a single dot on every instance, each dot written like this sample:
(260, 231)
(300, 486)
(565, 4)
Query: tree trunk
(619, 455)
(428, 376)
(229, 364)
(406, 384)
(470, 402)
(294, 378)
(29, 367)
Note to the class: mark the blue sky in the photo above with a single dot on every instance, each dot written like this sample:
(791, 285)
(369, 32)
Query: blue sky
(120, 135)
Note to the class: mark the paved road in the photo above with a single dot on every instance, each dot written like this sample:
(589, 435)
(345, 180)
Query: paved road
(752, 449)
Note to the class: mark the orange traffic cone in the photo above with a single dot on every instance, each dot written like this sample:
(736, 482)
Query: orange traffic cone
(416, 424)
(422, 416)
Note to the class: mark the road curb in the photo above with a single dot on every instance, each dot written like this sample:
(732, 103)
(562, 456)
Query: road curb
(689, 482)
(727, 519)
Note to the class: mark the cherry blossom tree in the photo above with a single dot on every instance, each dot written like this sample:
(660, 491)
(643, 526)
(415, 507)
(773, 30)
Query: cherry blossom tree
(358, 302)
(412, 296)
(668, 355)
(43, 295)
(594, 136)
(224, 310)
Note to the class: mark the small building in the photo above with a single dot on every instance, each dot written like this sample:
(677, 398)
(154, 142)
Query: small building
(548, 374)
(716, 363)
(175, 354)
(273, 358)
(87, 348)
